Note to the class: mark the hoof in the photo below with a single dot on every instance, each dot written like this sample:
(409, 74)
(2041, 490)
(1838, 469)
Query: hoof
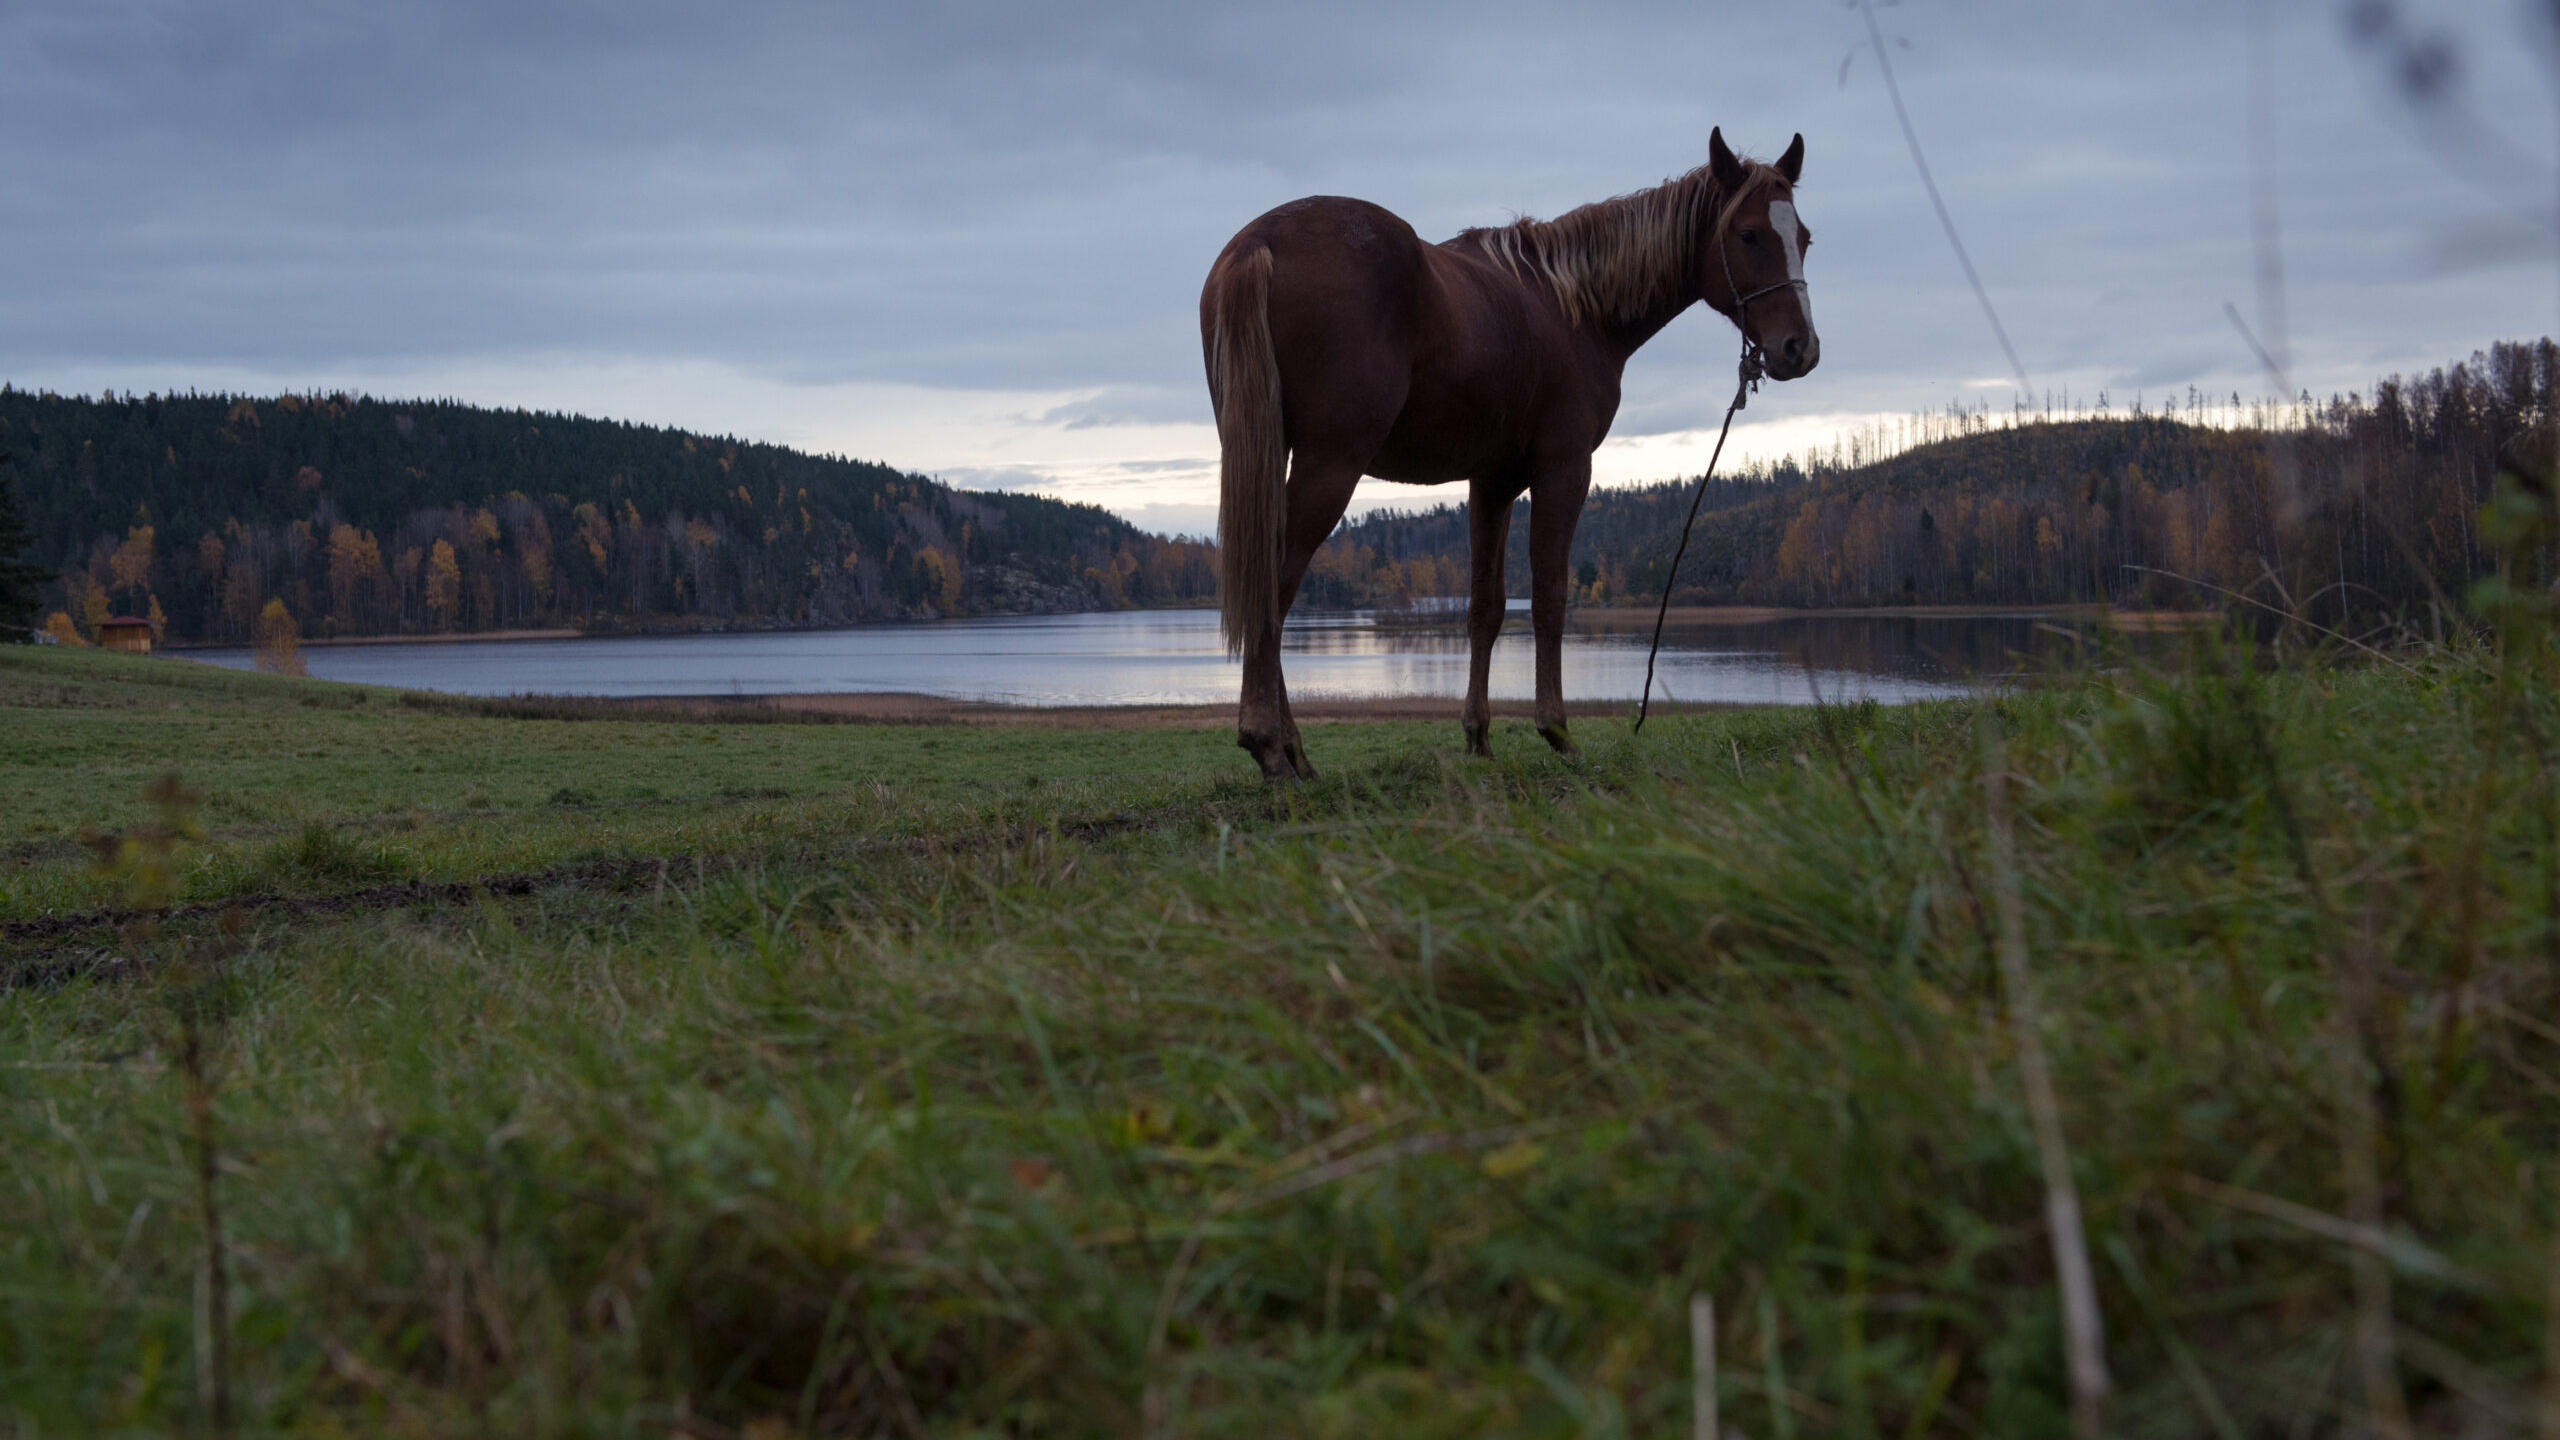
(1269, 754)
(1480, 739)
(1297, 752)
(1556, 737)
(1279, 759)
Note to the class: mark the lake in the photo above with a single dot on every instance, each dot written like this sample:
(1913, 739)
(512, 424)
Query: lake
(1175, 657)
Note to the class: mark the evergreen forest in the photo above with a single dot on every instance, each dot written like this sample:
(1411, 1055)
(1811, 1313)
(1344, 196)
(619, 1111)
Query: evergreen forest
(2360, 506)
(357, 516)
(361, 516)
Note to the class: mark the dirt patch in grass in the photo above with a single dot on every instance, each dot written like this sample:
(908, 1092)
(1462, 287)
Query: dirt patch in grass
(42, 949)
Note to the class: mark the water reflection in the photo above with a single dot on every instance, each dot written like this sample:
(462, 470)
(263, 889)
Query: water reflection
(1176, 657)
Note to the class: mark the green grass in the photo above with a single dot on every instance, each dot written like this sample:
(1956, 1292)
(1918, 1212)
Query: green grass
(430, 793)
(1417, 1101)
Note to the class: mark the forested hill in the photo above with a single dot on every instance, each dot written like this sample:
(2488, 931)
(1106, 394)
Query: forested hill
(366, 516)
(363, 516)
(2364, 504)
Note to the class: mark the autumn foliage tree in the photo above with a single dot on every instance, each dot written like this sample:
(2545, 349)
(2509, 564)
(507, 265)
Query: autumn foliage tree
(369, 517)
(279, 641)
(2360, 506)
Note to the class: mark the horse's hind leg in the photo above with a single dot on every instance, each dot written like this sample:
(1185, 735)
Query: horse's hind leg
(1263, 724)
(1555, 506)
(1319, 491)
(1488, 548)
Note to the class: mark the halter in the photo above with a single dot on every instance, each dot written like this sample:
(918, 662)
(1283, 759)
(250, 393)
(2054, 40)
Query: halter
(1753, 362)
(1754, 366)
(1745, 302)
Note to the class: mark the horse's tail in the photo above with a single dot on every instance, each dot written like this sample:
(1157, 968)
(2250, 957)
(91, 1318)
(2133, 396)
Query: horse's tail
(1253, 457)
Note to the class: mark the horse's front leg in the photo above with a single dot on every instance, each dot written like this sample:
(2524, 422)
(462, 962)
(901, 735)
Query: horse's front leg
(1319, 491)
(1555, 506)
(1488, 543)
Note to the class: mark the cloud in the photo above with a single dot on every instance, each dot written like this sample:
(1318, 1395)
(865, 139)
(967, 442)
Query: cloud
(1191, 464)
(969, 237)
(1130, 405)
(1197, 519)
(2486, 242)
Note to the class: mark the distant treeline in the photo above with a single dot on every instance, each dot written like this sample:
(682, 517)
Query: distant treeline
(373, 517)
(361, 516)
(2363, 504)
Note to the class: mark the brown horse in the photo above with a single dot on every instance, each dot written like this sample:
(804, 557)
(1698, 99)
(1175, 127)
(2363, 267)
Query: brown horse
(1340, 345)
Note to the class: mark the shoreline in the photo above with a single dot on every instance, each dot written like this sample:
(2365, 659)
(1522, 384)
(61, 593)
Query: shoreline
(1772, 614)
(498, 635)
(910, 708)
(311, 643)
(1591, 615)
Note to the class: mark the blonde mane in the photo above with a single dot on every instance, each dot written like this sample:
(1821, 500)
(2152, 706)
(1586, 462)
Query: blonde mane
(1620, 259)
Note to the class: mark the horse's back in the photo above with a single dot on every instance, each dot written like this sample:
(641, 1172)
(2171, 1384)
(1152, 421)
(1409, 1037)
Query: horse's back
(1344, 307)
(1336, 261)
(1419, 363)
(1323, 231)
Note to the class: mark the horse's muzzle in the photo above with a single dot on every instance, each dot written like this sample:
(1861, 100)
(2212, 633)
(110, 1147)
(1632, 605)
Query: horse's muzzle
(1793, 356)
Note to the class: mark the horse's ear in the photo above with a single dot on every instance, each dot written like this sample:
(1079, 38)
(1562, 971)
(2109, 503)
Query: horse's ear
(1727, 170)
(1791, 164)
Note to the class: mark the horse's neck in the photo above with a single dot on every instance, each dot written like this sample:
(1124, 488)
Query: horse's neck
(1625, 337)
(1538, 255)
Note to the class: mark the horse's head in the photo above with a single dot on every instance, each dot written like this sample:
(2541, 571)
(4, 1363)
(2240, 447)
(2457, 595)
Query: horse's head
(1753, 258)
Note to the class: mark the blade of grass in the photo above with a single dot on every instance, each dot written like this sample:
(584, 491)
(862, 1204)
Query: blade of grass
(2084, 1329)
(1702, 1369)
(2359, 1166)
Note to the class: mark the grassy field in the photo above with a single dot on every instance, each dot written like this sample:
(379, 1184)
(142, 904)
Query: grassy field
(306, 786)
(620, 1077)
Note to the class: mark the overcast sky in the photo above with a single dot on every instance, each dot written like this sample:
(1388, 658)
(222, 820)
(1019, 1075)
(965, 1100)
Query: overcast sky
(968, 238)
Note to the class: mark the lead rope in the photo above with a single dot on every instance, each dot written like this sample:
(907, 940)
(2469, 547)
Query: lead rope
(1752, 369)
(1750, 381)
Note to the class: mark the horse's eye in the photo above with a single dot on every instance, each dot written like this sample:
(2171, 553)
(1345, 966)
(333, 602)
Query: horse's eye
(1750, 237)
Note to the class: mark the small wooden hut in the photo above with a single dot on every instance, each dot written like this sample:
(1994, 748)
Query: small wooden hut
(126, 632)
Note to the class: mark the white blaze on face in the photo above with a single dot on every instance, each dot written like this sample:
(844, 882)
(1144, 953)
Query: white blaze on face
(1790, 233)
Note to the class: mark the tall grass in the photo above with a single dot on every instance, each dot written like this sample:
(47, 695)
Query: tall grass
(1421, 1101)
